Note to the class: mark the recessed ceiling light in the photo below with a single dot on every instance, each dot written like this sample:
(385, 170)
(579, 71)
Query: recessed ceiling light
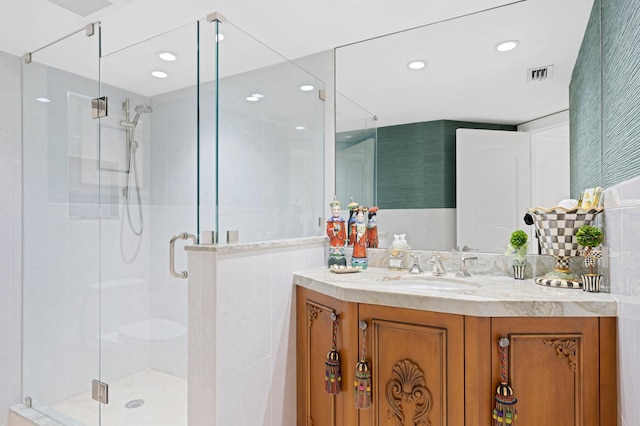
(167, 56)
(507, 45)
(252, 98)
(417, 65)
(306, 87)
(159, 74)
(257, 95)
(219, 37)
(43, 99)
(299, 127)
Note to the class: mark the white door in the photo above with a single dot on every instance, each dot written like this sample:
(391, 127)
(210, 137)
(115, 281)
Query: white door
(493, 187)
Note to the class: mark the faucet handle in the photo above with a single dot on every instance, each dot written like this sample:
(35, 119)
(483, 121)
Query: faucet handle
(464, 272)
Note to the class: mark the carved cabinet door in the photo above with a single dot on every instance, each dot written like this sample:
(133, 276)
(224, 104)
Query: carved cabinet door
(417, 364)
(553, 367)
(315, 406)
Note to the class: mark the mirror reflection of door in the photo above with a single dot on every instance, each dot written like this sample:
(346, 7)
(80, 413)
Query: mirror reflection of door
(494, 168)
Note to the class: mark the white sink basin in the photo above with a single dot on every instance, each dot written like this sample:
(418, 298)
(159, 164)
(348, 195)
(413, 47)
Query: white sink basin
(426, 283)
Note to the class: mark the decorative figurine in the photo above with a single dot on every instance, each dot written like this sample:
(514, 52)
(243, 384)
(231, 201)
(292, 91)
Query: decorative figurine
(358, 235)
(372, 228)
(352, 206)
(337, 233)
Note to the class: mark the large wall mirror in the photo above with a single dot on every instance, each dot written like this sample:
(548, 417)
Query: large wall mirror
(396, 126)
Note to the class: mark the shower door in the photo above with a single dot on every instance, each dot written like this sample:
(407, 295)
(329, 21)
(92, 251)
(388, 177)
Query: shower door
(149, 186)
(109, 175)
(61, 226)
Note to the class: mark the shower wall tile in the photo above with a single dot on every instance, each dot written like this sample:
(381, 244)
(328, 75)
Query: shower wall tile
(622, 239)
(10, 232)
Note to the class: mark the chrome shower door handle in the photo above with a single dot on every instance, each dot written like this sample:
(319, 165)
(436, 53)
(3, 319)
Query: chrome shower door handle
(172, 253)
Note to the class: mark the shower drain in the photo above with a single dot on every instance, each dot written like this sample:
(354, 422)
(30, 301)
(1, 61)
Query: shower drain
(134, 403)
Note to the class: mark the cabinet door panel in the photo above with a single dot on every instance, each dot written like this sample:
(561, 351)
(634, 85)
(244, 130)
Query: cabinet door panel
(315, 335)
(417, 367)
(553, 368)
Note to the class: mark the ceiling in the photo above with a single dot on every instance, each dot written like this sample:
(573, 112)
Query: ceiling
(466, 78)
(372, 74)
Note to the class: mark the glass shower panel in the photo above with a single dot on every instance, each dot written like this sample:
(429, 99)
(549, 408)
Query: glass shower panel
(149, 177)
(62, 197)
(356, 137)
(266, 151)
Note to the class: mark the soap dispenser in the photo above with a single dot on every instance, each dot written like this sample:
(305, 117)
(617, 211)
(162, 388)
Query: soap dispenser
(398, 253)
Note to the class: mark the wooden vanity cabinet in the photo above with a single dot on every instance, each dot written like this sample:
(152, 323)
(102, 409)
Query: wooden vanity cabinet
(444, 368)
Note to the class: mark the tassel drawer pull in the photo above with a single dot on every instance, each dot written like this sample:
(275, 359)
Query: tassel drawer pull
(362, 384)
(332, 371)
(504, 412)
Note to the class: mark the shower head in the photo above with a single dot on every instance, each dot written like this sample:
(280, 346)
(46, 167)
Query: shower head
(140, 109)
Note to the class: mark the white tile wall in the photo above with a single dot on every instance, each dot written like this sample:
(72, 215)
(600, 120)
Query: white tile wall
(622, 238)
(10, 233)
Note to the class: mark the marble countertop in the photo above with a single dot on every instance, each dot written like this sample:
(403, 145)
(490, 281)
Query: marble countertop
(480, 295)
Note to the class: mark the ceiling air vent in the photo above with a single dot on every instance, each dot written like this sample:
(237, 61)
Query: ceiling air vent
(86, 8)
(539, 73)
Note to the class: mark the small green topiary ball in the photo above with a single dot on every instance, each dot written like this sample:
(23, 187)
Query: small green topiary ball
(589, 236)
(518, 238)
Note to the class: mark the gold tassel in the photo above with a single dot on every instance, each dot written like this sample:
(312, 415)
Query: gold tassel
(362, 386)
(504, 412)
(332, 371)
(332, 374)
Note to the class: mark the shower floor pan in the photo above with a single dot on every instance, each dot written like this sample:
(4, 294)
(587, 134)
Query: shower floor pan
(146, 398)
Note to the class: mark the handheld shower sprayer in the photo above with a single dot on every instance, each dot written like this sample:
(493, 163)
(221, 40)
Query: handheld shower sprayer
(132, 167)
(140, 109)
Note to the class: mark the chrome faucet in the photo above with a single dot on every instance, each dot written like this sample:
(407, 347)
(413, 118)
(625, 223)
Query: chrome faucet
(463, 272)
(415, 268)
(436, 262)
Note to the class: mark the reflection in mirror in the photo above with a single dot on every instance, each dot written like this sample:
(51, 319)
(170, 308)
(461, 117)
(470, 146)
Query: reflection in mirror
(355, 153)
(466, 83)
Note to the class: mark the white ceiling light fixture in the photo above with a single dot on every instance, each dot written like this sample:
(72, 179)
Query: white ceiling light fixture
(417, 64)
(159, 74)
(43, 99)
(219, 37)
(306, 87)
(254, 97)
(507, 45)
(300, 127)
(167, 56)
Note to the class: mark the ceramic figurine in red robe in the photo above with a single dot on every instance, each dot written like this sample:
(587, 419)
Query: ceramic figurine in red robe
(358, 235)
(372, 228)
(337, 233)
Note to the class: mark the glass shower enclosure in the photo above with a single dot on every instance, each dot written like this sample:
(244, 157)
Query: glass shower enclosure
(115, 163)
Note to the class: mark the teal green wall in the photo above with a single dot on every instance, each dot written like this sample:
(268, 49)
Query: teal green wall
(620, 90)
(611, 97)
(416, 163)
(584, 111)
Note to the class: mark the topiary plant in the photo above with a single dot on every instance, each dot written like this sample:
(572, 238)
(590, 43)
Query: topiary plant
(590, 236)
(518, 238)
(518, 247)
